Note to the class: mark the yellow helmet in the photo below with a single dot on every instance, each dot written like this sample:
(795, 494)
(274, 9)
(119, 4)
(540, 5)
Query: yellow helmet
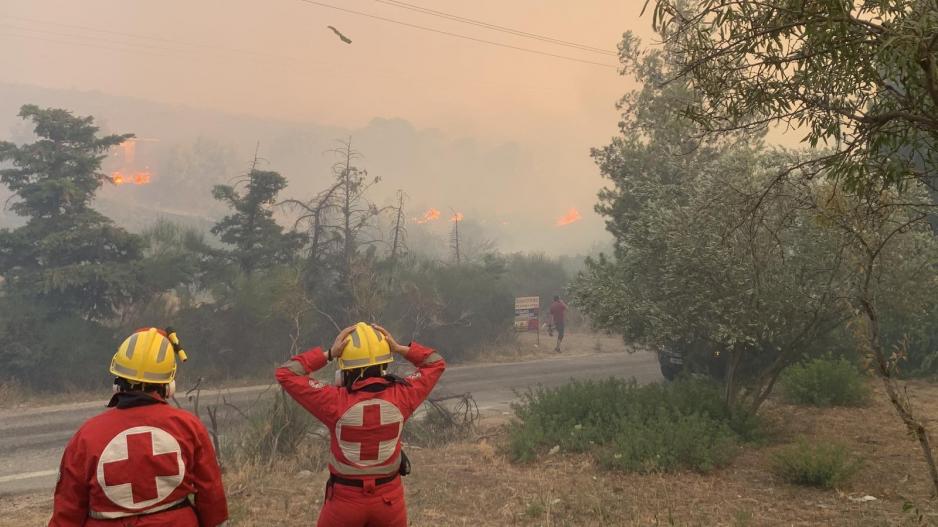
(366, 347)
(146, 356)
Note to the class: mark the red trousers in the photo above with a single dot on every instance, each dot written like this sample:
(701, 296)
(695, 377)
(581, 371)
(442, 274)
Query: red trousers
(347, 506)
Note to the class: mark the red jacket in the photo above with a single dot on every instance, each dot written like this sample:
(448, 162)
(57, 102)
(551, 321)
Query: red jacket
(366, 422)
(134, 460)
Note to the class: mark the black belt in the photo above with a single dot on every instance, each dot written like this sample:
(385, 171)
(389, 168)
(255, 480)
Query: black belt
(359, 482)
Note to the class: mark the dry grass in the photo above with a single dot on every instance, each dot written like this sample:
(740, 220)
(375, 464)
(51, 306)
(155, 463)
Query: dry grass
(15, 395)
(472, 483)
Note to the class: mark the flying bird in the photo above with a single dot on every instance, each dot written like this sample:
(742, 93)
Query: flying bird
(340, 35)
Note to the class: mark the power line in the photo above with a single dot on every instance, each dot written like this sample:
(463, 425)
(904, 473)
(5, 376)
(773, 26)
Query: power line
(154, 38)
(495, 27)
(158, 39)
(109, 46)
(457, 35)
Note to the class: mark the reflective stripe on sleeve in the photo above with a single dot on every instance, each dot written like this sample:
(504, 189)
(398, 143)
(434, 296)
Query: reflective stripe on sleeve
(431, 358)
(294, 367)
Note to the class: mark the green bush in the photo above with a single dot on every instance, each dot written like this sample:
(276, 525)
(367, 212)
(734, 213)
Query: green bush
(684, 424)
(825, 381)
(824, 465)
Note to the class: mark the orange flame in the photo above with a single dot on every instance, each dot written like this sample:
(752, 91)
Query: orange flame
(431, 215)
(571, 216)
(142, 178)
(138, 178)
(456, 217)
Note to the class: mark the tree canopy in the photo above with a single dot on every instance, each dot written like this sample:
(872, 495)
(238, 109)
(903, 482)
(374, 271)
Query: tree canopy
(67, 257)
(859, 78)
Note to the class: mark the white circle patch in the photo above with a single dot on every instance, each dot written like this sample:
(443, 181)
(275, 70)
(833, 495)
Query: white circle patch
(368, 432)
(140, 467)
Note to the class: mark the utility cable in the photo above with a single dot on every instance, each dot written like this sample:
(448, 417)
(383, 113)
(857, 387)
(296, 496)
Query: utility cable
(495, 27)
(457, 35)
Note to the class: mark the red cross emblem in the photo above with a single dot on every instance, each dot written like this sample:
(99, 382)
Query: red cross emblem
(368, 432)
(140, 467)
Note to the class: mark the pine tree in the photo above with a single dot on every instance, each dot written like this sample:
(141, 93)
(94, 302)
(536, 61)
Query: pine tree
(68, 258)
(259, 242)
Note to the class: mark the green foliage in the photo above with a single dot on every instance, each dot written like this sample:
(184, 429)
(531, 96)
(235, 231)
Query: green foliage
(825, 381)
(258, 240)
(821, 464)
(53, 352)
(250, 325)
(69, 258)
(695, 269)
(858, 77)
(666, 427)
(58, 174)
(456, 308)
(73, 284)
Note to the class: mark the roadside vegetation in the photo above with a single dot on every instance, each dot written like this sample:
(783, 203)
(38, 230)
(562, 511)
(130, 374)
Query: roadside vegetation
(815, 464)
(825, 381)
(760, 262)
(657, 427)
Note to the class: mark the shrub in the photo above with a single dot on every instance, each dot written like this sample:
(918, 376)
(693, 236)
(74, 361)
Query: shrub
(441, 424)
(825, 381)
(824, 465)
(684, 424)
(277, 429)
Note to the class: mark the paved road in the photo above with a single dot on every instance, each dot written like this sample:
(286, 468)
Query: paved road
(31, 440)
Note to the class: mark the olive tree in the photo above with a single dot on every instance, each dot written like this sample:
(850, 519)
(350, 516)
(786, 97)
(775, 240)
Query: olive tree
(694, 266)
(858, 77)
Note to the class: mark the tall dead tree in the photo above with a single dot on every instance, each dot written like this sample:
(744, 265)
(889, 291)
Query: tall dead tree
(336, 221)
(454, 237)
(398, 236)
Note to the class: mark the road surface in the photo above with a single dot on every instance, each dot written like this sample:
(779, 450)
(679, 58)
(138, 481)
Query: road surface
(32, 439)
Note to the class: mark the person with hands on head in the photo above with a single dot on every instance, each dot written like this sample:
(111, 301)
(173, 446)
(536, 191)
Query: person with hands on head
(365, 411)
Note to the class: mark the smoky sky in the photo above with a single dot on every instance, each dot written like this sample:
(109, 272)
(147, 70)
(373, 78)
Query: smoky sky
(500, 134)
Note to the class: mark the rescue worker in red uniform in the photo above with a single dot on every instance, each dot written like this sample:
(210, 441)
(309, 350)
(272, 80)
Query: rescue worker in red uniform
(142, 463)
(365, 412)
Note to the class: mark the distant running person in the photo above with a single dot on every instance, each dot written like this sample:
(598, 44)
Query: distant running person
(557, 309)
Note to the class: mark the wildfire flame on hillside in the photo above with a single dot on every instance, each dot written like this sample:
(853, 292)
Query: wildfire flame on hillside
(431, 215)
(129, 171)
(137, 178)
(571, 216)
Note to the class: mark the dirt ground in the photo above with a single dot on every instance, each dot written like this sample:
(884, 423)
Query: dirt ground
(472, 483)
